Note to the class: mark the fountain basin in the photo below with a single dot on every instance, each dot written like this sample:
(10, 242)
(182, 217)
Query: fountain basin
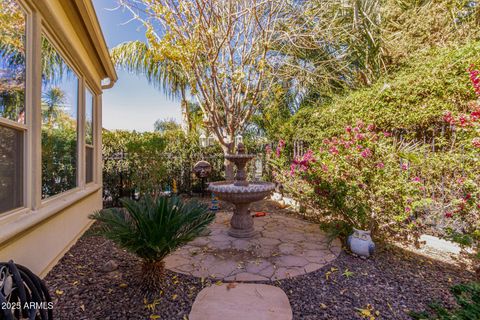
(254, 191)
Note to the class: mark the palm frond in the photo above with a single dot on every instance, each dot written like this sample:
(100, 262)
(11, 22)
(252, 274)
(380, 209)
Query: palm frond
(138, 58)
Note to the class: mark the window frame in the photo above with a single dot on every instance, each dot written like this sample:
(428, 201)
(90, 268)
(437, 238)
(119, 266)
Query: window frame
(23, 127)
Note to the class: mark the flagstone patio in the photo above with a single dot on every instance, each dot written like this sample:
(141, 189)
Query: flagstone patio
(284, 247)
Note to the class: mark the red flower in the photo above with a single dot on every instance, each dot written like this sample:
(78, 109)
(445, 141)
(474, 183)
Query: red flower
(448, 214)
(348, 129)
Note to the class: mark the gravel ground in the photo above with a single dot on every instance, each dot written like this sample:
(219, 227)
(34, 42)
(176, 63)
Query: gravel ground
(390, 284)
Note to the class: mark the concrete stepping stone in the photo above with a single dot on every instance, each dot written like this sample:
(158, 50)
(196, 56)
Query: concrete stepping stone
(241, 301)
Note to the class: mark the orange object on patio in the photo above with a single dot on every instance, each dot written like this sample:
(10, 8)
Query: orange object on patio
(259, 214)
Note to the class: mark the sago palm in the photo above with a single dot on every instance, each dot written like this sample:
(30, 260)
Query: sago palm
(152, 228)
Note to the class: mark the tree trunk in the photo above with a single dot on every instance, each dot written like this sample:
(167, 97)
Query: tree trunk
(186, 111)
(152, 273)
(229, 174)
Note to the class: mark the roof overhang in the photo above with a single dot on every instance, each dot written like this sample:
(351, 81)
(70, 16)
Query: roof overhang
(97, 40)
(83, 19)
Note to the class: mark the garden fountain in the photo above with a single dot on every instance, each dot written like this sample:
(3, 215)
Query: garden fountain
(241, 193)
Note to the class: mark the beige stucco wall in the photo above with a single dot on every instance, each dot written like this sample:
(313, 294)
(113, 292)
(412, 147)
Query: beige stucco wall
(40, 247)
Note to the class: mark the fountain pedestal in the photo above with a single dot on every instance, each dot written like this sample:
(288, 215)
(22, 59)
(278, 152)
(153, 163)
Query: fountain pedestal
(241, 193)
(242, 222)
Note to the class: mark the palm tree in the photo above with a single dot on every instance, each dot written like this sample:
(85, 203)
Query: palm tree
(138, 58)
(53, 99)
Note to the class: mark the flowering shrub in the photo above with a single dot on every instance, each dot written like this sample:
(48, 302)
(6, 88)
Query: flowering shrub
(372, 180)
(359, 176)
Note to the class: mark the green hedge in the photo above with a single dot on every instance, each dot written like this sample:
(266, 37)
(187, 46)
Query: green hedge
(413, 99)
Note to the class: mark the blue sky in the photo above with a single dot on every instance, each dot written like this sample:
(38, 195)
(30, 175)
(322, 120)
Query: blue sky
(132, 103)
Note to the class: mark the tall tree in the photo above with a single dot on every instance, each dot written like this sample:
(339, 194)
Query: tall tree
(222, 46)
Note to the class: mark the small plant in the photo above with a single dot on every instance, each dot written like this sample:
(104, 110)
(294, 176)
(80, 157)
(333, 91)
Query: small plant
(468, 300)
(152, 228)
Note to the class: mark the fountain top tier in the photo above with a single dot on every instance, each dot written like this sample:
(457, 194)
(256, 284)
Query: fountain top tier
(240, 160)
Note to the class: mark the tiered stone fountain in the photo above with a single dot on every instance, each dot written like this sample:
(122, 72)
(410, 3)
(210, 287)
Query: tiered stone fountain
(241, 193)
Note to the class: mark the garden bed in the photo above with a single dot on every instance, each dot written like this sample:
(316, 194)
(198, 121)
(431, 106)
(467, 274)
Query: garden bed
(393, 282)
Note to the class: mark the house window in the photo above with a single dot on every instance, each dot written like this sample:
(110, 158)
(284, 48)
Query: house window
(89, 105)
(12, 104)
(59, 123)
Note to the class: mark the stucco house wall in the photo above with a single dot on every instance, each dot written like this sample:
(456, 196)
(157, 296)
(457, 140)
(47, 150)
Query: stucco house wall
(38, 234)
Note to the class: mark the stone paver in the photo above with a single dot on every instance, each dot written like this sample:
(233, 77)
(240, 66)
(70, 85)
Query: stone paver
(241, 301)
(284, 247)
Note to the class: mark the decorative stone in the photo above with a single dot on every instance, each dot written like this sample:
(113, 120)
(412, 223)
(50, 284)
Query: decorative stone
(241, 301)
(109, 266)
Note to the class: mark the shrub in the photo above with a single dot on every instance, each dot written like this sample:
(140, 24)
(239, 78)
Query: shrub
(152, 228)
(151, 162)
(412, 100)
(468, 300)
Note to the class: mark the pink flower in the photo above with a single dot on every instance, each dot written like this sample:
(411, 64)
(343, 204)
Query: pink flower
(476, 142)
(356, 129)
(366, 153)
(359, 136)
(281, 143)
(371, 127)
(463, 120)
(292, 169)
(387, 134)
(475, 79)
(333, 150)
(448, 118)
(360, 124)
(408, 209)
(348, 129)
(326, 141)
(268, 149)
(278, 151)
(416, 179)
(380, 165)
(404, 166)
(448, 214)
(324, 167)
